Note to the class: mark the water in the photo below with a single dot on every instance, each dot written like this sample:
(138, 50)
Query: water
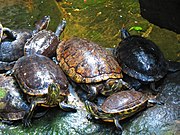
(96, 20)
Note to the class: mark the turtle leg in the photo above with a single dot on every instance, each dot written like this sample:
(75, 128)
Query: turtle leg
(117, 124)
(9, 72)
(29, 114)
(92, 93)
(40, 114)
(91, 90)
(7, 66)
(154, 101)
(60, 28)
(136, 84)
(113, 85)
(27, 118)
(7, 122)
(125, 84)
(67, 107)
(153, 88)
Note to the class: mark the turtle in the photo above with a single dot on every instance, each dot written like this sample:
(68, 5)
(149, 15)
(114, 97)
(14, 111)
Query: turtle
(142, 60)
(90, 66)
(43, 83)
(12, 46)
(120, 105)
(44, 41)
(13, 105)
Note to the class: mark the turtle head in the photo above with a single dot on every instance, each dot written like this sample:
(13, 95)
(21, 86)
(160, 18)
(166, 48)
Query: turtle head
(91, 108)
(42, 24)
(124, 33)
(53, 93)
(96, 110)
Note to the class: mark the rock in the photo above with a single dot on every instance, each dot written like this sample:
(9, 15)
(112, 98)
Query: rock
(163, 13)
(160, 119)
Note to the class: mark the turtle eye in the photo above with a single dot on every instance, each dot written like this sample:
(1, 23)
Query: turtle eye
(54, 87)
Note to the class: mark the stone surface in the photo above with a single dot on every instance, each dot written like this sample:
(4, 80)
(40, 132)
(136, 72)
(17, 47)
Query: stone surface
(164, 13)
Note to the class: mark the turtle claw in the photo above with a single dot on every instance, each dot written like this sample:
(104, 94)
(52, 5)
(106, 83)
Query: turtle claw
(27, 122)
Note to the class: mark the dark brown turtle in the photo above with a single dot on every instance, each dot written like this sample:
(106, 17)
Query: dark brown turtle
(44, 42)
(142, 59)
(90, 66)
(12, 45)
(119, 106)
(43, 82)
(13, 105)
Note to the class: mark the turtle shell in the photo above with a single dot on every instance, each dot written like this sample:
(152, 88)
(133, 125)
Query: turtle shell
(125, 102)
(141, 58)
(11, 50)
(35, 72)
(43, 42)
(12, 104)
(86, 62)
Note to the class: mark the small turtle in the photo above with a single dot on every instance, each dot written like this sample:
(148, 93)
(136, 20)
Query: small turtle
(10, 51)
(119, 106)
(90, 66)
(44, 42)
(12, 46)
(13, 105)
(141, 59)
(43, 82)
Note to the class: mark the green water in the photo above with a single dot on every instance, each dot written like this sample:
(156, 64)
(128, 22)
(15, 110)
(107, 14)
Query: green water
(96, 20)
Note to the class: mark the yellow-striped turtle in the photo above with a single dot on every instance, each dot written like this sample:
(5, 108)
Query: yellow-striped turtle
(43, 83)
(90, 66)
(119, 106)
(13, 105)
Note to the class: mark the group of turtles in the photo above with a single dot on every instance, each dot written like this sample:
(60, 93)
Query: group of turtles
(27, 55)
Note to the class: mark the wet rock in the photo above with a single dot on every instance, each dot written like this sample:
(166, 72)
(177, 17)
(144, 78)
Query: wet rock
(160, 119)
(163, 13)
